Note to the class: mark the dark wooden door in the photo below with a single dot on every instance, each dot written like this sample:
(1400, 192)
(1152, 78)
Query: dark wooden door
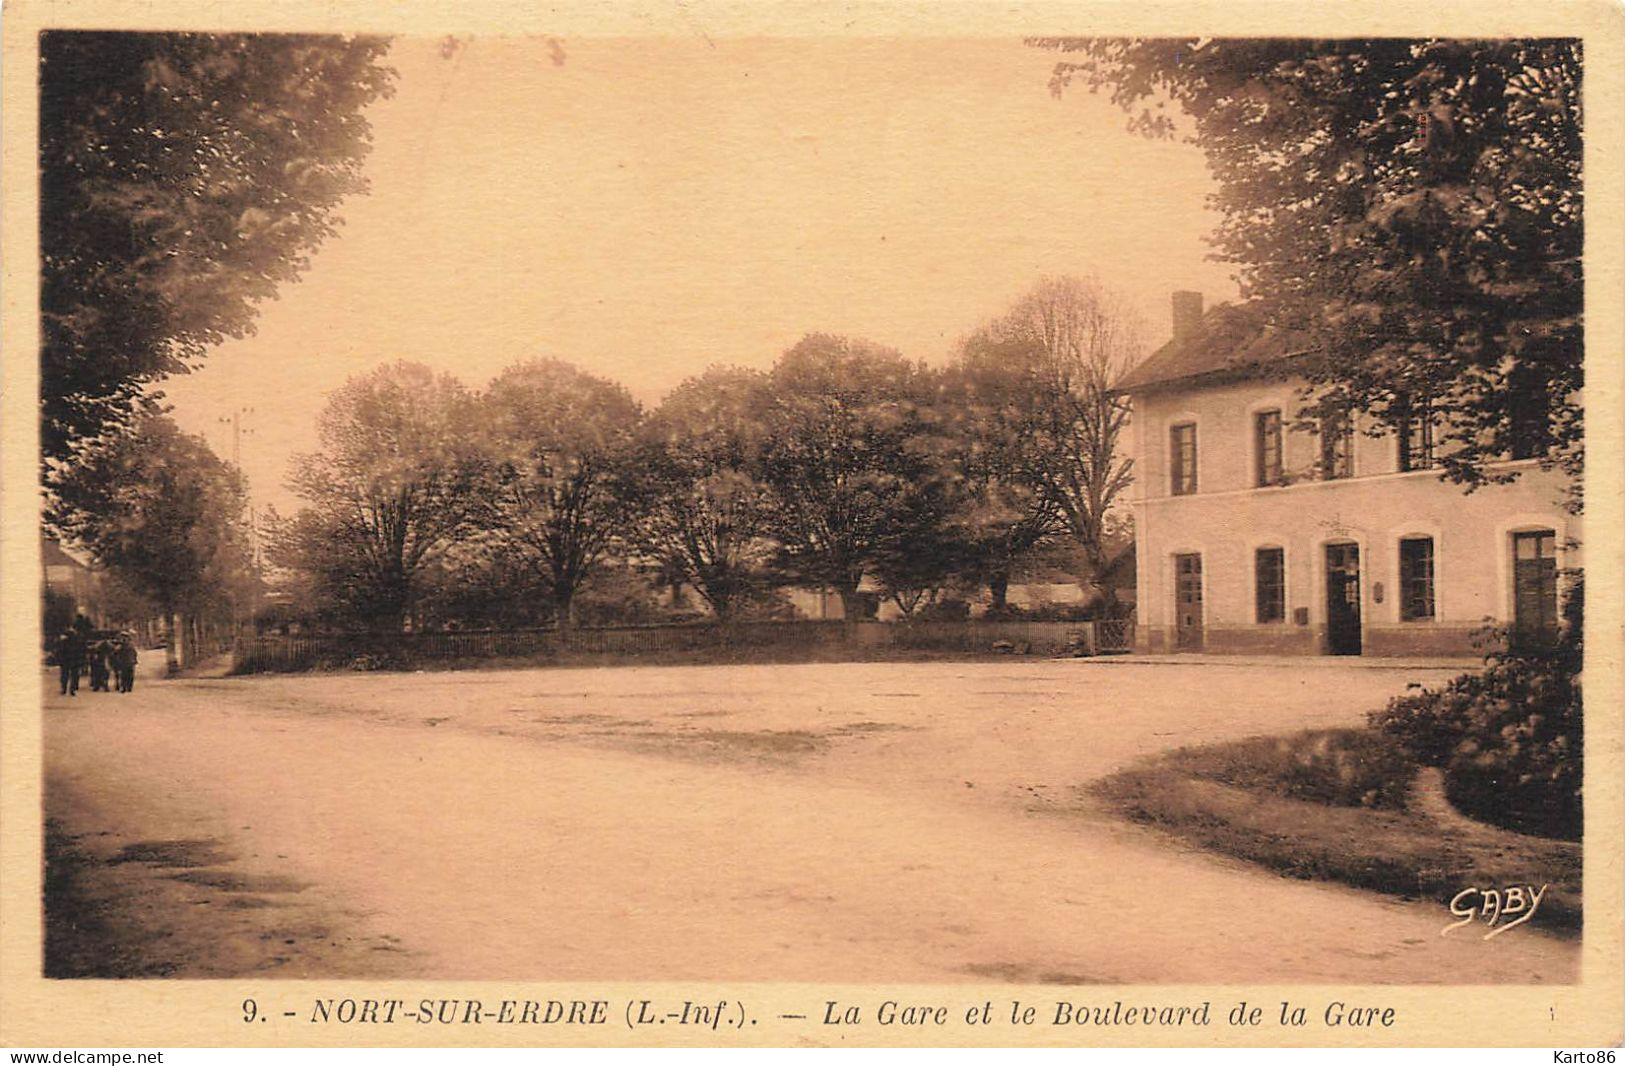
(1534, 588)
(1188, 602)
(1343, 599)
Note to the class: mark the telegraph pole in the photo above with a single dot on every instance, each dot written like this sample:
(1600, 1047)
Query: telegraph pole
(235, 420)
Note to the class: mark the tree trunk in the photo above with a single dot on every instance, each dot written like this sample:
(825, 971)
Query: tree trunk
(1109, 607)
(564, 608)
(718, 593)
(1100, 580)
(172, 663)
(998, 590)
(851, 605)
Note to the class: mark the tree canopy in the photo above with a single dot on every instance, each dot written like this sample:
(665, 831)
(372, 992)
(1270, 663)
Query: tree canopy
(846, 458)
(183, 178)
(160, 510)
(559, 441)
(1414, 206)
(702, 509)
(389, 492)
(1037, 389)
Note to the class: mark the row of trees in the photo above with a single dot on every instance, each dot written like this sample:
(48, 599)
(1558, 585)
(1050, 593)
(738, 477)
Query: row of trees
(184, 177)
(164, 518)
(844, 462)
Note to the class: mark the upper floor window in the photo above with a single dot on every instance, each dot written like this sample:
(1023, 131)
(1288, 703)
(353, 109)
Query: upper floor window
(1415, 579)
(1529, 428)
(1416, 437)
(1182, 458)
(1269, 578)
(1336, 445)
(1267, 448)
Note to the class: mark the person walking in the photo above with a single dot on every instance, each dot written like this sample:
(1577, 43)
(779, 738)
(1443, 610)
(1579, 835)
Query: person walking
(70, 660)
(124, 659)
(96, 657)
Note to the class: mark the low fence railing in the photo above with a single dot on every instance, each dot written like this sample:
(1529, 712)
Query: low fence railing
(369, 651)
(1113, 636)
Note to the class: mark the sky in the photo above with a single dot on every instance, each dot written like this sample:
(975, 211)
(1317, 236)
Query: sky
(647, 208)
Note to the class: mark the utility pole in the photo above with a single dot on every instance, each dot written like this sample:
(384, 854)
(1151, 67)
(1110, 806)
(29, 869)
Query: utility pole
(235, 420)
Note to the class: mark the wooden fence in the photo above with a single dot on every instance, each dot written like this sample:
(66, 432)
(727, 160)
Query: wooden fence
(747, 641)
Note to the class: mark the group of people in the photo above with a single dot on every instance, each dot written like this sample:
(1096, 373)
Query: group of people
(109, 658)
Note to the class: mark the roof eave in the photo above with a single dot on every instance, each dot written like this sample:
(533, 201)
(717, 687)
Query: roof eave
(1238, 372)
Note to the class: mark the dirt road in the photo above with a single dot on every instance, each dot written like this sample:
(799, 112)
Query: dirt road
(864, 823)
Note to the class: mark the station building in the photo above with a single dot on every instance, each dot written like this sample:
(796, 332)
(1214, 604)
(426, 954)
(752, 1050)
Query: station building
(1255, 536)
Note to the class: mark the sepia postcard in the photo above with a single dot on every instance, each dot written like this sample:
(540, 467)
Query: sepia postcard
(752, 524)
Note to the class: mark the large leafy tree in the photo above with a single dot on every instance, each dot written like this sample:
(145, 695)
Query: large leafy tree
(1414, 206)
(1046, 426)
(847, 454)
(559, 444)
(929, 546)
(702, 509)
(1007, 516)
(391, 492)
(161, 511)
(183, 177)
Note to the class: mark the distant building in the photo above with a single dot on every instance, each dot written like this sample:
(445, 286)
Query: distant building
(1257, 537)
(824, 604)
(69, 585)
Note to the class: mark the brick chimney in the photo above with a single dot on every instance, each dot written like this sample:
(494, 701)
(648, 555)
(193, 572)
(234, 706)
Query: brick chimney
(1187, 314)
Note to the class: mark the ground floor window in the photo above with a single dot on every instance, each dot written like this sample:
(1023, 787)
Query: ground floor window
(1534, 587)
(1416, 579)
(1270, 584)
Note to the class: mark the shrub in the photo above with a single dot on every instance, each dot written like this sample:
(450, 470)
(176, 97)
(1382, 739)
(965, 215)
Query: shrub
(1337, 767)
(1429, 723)
(1040, 612)
(1510, 738)
(949, 610)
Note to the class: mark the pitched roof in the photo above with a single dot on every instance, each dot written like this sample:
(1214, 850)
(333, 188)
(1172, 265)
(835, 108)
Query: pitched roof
(52, 554)
(1230, 341)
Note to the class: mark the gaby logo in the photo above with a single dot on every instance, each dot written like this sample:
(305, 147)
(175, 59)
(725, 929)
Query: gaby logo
(1495, 905)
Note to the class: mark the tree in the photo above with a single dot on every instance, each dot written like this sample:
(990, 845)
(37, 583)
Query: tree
(1413, 206)
(390, 491)
(160, 510)
(1007, 516)
(846, 455)
(559, 440)
(1048, 423)
(183, 177)
(702, 510)
(927, 545)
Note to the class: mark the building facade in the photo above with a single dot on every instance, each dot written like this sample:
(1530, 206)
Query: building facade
(70, 587)
(1259, 536)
